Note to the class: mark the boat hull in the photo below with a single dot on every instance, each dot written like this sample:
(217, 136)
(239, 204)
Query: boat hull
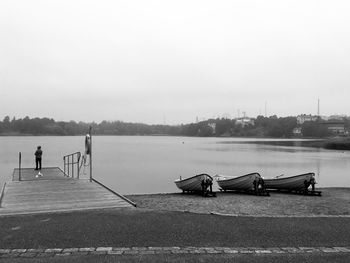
(246, 182)
(297, 182)
(195, 183)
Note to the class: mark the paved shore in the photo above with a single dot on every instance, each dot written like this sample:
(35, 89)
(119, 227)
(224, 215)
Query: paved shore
(139, 228)
(133, 234)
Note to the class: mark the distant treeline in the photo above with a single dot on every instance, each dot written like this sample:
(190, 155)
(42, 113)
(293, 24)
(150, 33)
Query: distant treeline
(272, 126)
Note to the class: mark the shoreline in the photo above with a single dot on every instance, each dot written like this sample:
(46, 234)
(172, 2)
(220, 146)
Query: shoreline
(333, 202)
(328, 144)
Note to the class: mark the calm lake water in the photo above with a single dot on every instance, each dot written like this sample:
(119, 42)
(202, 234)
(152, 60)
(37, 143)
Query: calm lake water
(150, 164)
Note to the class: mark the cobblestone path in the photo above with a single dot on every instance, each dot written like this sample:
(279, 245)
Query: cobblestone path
(64, 252)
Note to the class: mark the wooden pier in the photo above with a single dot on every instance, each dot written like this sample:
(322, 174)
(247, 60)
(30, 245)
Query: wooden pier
(54, 191)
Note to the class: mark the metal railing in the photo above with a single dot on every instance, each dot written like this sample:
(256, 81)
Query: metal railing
(71, 164)
(114, 192)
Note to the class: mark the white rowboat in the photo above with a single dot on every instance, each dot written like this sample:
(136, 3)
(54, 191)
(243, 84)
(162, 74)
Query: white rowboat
(246, 182)
(297, 182)
(195, 183)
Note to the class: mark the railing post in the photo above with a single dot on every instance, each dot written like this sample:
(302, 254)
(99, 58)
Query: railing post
(73, 166)
(19, 166)
(64, 164)
(68, 166)
(90, 154)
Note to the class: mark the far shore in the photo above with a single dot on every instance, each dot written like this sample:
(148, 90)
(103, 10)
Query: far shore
(333, 202)
(341, 143)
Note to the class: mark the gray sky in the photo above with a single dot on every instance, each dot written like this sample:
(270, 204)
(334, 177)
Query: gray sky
(155, 61)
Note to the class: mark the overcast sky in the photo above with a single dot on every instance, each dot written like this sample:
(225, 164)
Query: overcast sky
(172, 61)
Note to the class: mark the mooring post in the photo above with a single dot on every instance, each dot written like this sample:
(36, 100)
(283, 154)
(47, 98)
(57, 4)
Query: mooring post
(306, 186)
(90, 156)
(313, 184)
(19, 166)
(202, 185)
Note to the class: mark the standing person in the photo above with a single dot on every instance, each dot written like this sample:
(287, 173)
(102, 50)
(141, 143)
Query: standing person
(38, 153)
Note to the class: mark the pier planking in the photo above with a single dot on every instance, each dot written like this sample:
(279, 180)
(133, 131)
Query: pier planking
(55, 192)
(29, 174)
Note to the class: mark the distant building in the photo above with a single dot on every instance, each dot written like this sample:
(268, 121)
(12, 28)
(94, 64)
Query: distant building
(337, 117)
(244, 121)
(213, 126)
(297, 131)
(324, 118)
(304, 117)
(336, 126)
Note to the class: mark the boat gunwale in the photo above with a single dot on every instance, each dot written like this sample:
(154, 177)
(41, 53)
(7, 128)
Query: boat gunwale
(289, 177)
(182, 180)
(237, 177)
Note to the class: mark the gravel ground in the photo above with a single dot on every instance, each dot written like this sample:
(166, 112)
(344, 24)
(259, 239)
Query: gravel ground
(334, 201)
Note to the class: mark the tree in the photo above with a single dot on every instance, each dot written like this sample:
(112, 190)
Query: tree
(314, 129)
(224, 126)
